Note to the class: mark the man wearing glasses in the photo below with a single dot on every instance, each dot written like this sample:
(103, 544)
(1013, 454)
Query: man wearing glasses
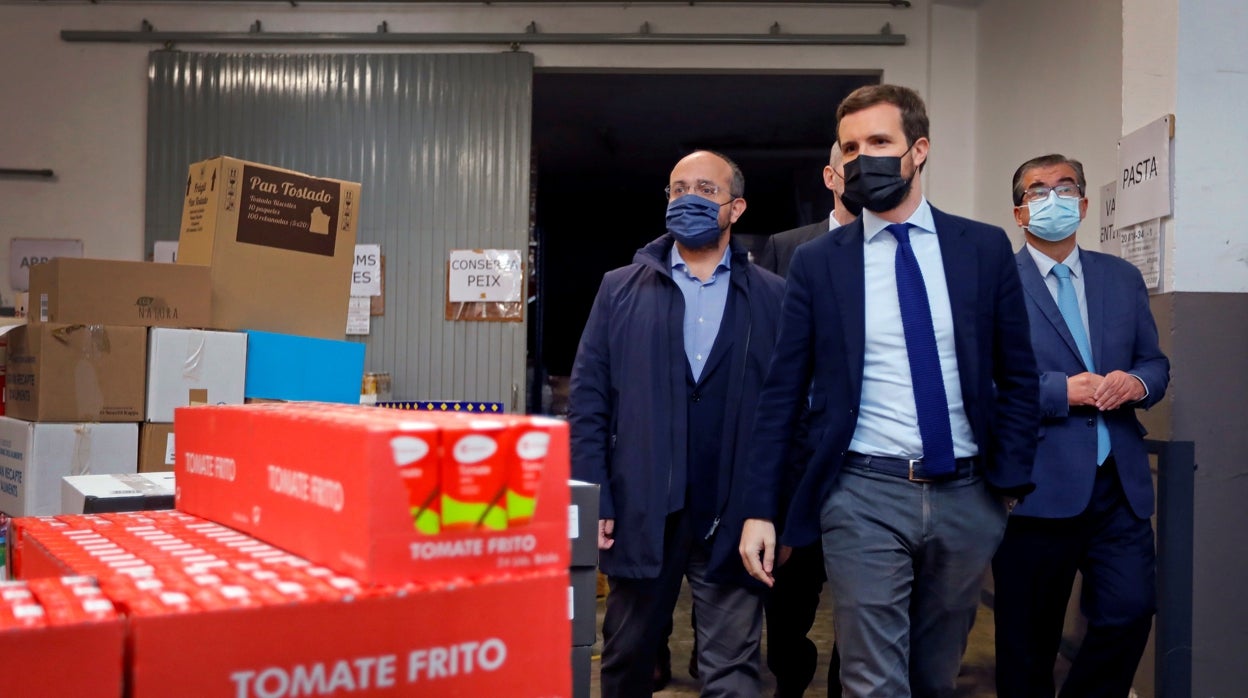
(663, 393)
(1098, 359)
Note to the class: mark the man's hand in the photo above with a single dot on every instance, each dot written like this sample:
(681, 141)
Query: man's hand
(1081, 389)
(1117, 389)
(758, 548)
(1009, 503)
(606, 533)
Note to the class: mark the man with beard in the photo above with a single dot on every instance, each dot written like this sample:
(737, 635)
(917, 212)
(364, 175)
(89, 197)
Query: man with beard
(905, 332)
(663, 393)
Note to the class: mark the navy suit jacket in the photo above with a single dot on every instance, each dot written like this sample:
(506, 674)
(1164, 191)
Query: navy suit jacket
(1124, 338)
(820, 352)
(778, 251)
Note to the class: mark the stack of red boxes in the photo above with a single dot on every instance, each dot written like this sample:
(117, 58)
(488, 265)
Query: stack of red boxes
(59, 636)
(356, 580)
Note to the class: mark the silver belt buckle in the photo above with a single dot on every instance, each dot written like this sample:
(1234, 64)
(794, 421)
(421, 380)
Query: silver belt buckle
(912, 477)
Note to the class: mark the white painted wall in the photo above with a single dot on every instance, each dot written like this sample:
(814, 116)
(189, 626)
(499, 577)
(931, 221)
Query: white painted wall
(1210, 142)
(1050, 81)
(80, 108)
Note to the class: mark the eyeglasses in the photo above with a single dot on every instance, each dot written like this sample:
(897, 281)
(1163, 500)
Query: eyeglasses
(704, 188)
(1063, 191)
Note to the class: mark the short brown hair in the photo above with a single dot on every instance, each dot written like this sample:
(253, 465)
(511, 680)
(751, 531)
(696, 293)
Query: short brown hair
(914, 121)
(1048, 161)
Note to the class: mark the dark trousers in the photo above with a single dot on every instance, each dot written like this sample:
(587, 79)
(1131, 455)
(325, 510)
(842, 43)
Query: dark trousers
(790, 608)
(730, 621)
(905, 564)
(1034, 571)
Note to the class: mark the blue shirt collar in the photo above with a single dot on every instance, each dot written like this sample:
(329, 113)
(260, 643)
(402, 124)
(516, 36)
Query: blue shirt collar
(1045, 263)
(678, 262)
(872, 224)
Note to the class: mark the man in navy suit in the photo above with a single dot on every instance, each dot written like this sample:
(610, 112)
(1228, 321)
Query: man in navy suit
(1098, 359)
(907, 332)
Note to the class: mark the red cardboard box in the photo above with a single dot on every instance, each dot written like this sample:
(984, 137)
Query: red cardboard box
(325, 482)
(501, 638)
(67, 653)
(173, 575)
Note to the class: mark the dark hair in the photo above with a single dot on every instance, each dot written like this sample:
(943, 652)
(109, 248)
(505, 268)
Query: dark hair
(737, 189)
(914, 121)
(1047, 161)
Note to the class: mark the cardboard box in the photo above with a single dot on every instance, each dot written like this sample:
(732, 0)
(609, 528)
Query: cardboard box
(582, 671)
(156, 447)
(583, 523)
(62, 656)
(110, 292)
(324, 482)
(583, 604)
(286, 367)
(281, 246)
(98, 494)
(193, 367)
(34, 456)
(76, 373)
(257, 624)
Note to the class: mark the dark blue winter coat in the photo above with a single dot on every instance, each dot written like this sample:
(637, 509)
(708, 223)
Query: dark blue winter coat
(629, 398)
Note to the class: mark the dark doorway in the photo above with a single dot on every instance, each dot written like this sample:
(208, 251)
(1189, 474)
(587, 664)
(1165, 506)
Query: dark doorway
(603, 146)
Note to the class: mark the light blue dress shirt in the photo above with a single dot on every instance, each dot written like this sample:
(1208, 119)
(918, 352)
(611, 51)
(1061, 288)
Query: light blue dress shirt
(1045, 265)
(888, 422)
(704, 307)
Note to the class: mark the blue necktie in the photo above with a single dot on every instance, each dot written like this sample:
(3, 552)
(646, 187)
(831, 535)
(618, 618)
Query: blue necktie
(929, 383)
(1068, 303)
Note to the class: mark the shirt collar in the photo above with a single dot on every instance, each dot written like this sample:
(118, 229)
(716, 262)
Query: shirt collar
(872, 224)
(1046, 263)
(678, 262)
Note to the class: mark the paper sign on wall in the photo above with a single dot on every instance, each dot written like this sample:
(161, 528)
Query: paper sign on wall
(1141, 246)
(1144, 190)
(359, 319)
(366, 273)
(1109, 234)
(486, 276)
(26, 252)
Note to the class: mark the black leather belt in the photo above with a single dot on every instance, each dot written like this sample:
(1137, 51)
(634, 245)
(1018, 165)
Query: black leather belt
(913, 470)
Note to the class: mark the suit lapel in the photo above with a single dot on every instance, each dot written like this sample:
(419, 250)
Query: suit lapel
(1038, 291)
(1094, 296)
(960, 258)
(845, 270)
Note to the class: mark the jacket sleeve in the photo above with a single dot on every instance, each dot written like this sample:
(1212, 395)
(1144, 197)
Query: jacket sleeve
(1148, 363)
(1054, 396)
(1016, 380)
(782, 398)
(591, 403)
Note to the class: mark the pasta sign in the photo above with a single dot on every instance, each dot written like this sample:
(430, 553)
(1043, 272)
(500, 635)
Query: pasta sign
(477, 276)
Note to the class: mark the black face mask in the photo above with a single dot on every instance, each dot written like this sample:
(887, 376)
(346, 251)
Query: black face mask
(875, 183)
(854, 209)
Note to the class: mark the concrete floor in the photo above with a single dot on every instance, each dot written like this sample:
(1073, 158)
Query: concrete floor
(976, 680)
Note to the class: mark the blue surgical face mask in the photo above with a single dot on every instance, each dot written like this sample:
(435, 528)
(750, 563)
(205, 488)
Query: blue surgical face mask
(1053, 219)
(694, 221)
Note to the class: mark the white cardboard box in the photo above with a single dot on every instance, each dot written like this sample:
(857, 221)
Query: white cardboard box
(34, 456)
(95, 494)
(193, 367)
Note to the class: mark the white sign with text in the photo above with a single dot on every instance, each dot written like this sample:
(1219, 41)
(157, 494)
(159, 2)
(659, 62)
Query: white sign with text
(1144, 188)
(27, 252)
(486, 276)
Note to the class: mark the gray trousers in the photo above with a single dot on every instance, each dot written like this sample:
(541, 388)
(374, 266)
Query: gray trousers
(905, 565)
(729, 625)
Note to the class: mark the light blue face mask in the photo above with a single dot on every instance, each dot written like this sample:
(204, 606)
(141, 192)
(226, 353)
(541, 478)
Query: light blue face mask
(1053, 219)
